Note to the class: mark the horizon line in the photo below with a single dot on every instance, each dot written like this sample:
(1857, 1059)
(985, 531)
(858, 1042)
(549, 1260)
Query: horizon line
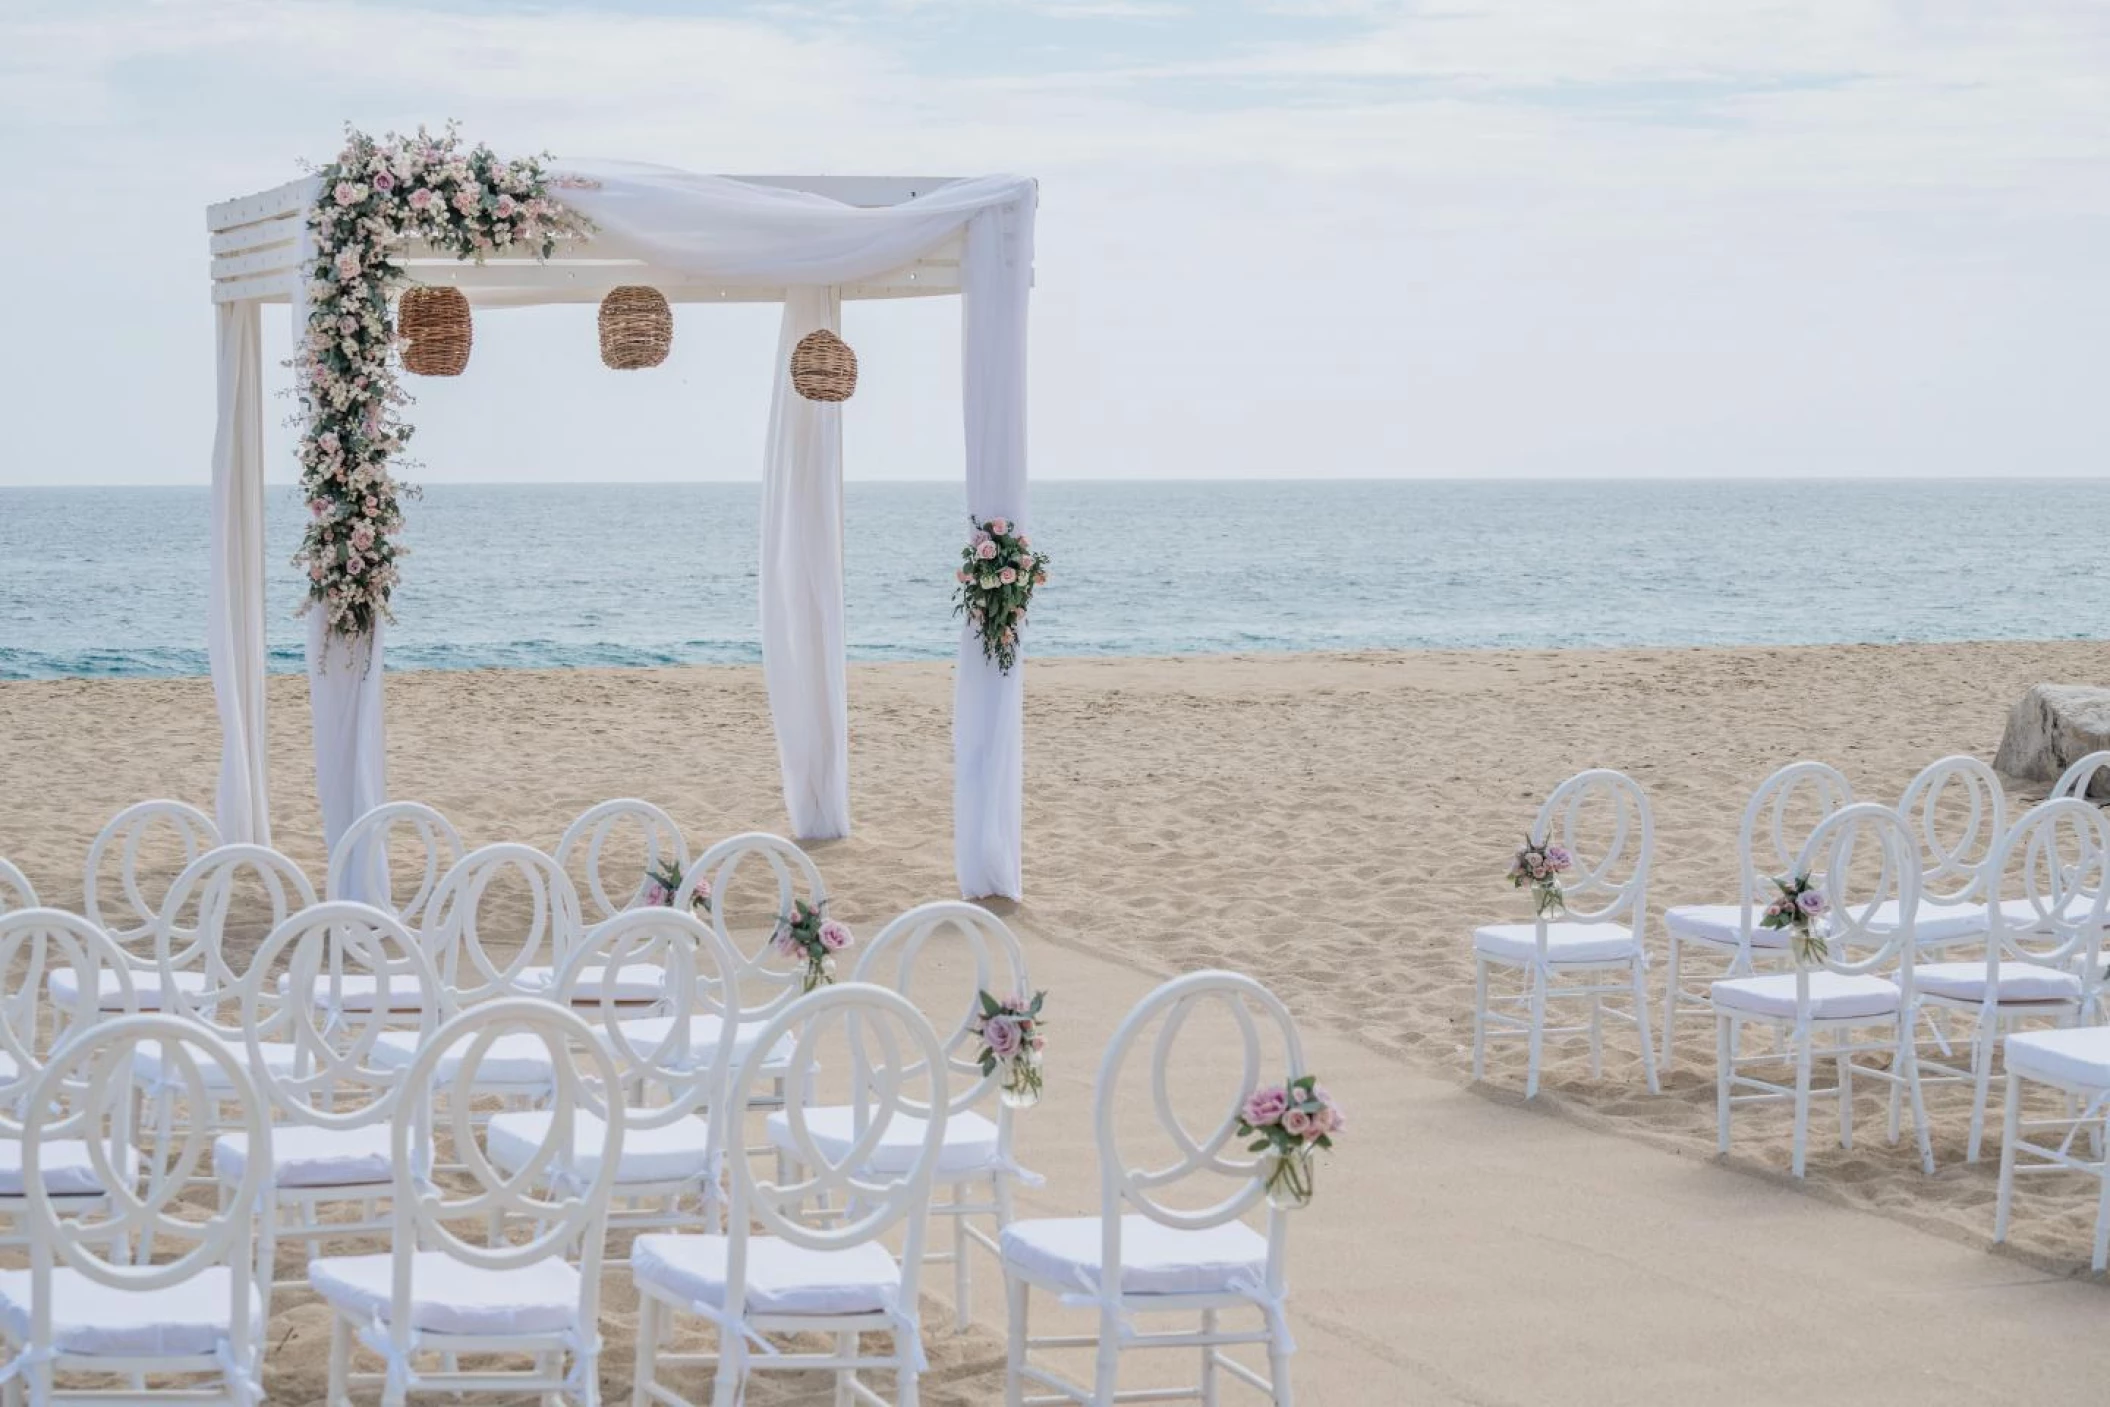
(2044, 478)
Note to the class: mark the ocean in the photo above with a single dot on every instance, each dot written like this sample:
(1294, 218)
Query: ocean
(112, 581)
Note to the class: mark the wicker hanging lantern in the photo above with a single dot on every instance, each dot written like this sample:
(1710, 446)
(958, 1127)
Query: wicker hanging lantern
(436, 331)
(637, 328)
(823, 368)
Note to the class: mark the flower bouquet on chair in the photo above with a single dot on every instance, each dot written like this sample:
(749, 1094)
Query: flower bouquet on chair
(1288, 1123)
(1538, 867)
(1010, 1032)
(806, 933)
(663, 882)
(1801, 909)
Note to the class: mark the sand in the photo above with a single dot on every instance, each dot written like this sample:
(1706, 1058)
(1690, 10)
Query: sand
(1334, 825)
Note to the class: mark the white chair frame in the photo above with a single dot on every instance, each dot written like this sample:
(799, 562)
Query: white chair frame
(875, 1205)
(592, 831)
(1123, 1188)
(2076, 780)
(1625, 900)
(1829, 851)
(2088, 1111)
(133, 925)
(454, 941)
(437, 838)
(1765, 822)
(1950, 876)
(16, 892)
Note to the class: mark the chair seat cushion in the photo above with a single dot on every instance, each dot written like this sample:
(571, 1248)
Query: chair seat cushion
(2019, 982)
(149, 1066)
(634, 982)
(1720, 924)
(969, 1143)
(671, 1152)
(1565, 942)
(781, 1278)
(67, 1169)
(304, 1155)
(517, 1058)
(1155, 1259)
(357, 991)
(2078, 1056)
(1834, 996)
(1938, 923)
(65, 985)
(645, 1033)
(448, 1297)
(88, 1317)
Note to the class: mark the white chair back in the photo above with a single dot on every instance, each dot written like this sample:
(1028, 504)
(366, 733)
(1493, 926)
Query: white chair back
(16, 892)
(84, 1094)
(476, 965)
(927, 943)
(35, 946)
(1777, 819)
(699, 970)
(1602, 817)
(2056, 860)
(1956, 809)
(767, 980)
(615, 882)
(204, 894)
(2079, 780)
(363, 867)
(131, 918)
(1863, 860)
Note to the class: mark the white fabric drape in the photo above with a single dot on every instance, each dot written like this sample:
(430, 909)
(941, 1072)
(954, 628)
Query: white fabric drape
(235, 637)
(802, 585)
(351, 765)
(988, 709)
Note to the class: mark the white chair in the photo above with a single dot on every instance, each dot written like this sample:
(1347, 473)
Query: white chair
(438, 1294)
(478, 967)
(16, 892)
(1601, 934)
(977, 1165)
(2037, 960)
(588, 840)
(36, 945)
(324, 987)
(132, 915)
(197, 1314)
(1956, 809)
(2076, 1062)
(1776, 820)
(1143, 1254)
(667, 1174)
(839, 1279)
(2079, 780)
(363, 864)
(1839, 993)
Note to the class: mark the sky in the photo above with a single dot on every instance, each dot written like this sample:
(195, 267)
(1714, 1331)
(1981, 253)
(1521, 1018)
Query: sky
(1345, 238)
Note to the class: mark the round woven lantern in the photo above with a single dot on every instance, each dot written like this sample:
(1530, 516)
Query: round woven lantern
(637, 328)
(823, 368)
(436, 331)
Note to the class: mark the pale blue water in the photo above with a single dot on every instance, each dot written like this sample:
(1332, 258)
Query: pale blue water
(112, 581)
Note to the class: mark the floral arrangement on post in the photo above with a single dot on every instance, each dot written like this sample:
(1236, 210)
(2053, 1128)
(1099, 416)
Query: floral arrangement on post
(1540, 866)
(375, 196)
(1800, 909)
(806, 933)
(663, 882)
(1010, 1031)
(1287, 1123)
(998, 571)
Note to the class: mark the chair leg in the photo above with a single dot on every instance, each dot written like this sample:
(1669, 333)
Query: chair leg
(1910, 1059)
(1208, 1382)
(2010, 1130)
(1106, 1376)
(340, 1362)
(1671, 999)
(845, 1347)
(1724, 1073)
(730, 1378)
(2102, 1223)
(1278, 1352)
(648, 1324)
(962, 1272)
(1846, 1101)
(1479, 1019)
(1596, 1037)
(1016, 1292)
(1539, 978)
(1983, 1042)
(1648, 1044)
(1803, 1055)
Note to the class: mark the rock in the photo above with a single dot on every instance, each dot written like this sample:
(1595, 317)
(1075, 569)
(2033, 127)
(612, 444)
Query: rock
(2054, 726)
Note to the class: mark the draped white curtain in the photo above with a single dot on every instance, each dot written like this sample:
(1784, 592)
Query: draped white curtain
(802, 585)
(235, 638)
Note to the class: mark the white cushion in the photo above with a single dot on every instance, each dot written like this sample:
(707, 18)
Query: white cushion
(305, 1155)
(448, 1297)
(781, 1278)
(147, 1062)
(2019, 981)
(65, 986)
(1937, 922)
(1565, 942)
(1155, 1259)
(514, 1058)
(669, 1152)
(1720, 924)
(634, 982)
(644, 1033)
(88, 1317)
(969, 1144)
(1834, 996)
(356, 991)
(2078, 1055)
(67, 1170)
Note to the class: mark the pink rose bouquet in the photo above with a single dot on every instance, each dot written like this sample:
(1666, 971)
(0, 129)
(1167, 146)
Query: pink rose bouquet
(663, 882)
(809, 934)
(1012, 1032)
(1287, 1122)
(1801, 909)
(997, 574)
(1539, 866)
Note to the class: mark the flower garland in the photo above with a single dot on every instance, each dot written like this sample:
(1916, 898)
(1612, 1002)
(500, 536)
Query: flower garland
(998, 571)
(377, 195)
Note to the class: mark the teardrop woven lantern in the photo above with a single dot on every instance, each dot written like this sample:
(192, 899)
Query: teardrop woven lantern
(637, 328)
(436, 331)
(823, 368)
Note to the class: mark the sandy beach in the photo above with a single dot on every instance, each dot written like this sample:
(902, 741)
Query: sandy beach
(1335, 825)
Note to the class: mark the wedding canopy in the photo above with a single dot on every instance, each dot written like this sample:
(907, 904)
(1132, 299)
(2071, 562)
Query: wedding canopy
(807, 242)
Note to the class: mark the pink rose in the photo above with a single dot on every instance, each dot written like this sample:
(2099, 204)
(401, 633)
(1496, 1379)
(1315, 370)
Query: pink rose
(1040, 578)
(656, 896)
(1265, 1106)
(354, 566)
(987, 551)
(1007, 575)
(348, 264)
(962, 577)
(506, 207)
(1002, 1036)
(1022, 562)
(346, 193)
(999, 526)
(835, 936)
(1024, 541)
(421, 199)
(1010, 637)
(383, 181)
(315, 572)
(1298, 1124)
